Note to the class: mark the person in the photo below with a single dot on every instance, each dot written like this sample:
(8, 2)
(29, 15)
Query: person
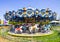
(12, 28)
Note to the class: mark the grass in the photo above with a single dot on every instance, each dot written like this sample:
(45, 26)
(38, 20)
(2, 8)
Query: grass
(50, 38)
(55, 37)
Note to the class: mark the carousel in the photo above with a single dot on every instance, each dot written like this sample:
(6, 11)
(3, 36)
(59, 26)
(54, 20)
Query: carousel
(30, 22)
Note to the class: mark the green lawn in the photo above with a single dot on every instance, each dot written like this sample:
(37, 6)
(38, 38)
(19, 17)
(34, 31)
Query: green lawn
(55, 37)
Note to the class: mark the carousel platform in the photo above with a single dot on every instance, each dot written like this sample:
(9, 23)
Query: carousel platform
(35, 34)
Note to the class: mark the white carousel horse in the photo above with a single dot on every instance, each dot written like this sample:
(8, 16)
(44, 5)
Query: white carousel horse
(19, 29)
(33, 28)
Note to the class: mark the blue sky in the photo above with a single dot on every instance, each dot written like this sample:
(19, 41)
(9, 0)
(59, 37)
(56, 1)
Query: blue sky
(6, 5)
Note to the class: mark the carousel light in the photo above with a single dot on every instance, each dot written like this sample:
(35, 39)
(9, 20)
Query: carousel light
(50, 15)
(37, 12)
(30, 12)
(24, 8)
(10, 13)
(45, 15)
(54, 14)
(47, 11)
(19, 13)
(50, 11)
(43, 12)
(13, 11)
(24, 14)
(7, 15)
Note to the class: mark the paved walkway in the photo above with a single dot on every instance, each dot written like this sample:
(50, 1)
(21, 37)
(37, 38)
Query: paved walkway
(3, 40)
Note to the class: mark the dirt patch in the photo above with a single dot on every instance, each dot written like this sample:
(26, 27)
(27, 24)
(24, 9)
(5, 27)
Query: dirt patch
(3, 40)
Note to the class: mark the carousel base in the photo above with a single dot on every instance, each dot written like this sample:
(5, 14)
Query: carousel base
(35, 34)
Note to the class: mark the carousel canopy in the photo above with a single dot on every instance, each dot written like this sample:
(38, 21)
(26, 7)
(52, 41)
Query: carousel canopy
(20, 13)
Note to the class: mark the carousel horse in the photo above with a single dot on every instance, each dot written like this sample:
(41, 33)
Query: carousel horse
(33, 28)
(46, 28)
(19, 29)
